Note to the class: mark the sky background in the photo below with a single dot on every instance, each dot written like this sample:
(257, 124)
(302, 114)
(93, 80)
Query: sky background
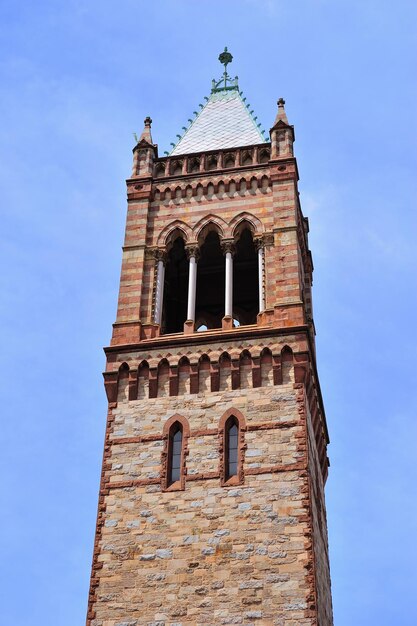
(77, 79)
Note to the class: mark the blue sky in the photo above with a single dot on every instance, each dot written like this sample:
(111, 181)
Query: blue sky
(76, 80)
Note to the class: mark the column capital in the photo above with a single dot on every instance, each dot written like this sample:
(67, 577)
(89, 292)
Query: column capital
(261, 241)
(192, 249)
(228, 245)
(159, 254)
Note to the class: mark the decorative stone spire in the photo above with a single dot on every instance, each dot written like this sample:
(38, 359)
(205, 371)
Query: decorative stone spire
(281, 115)
(144, 152)
(282, 134)
(146, 133)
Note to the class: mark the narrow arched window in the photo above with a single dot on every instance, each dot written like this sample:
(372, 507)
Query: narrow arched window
(175, 453)
(232, 428)
(231, 447)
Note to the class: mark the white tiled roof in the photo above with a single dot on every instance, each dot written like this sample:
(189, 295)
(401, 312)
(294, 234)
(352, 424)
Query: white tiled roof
(224, 122)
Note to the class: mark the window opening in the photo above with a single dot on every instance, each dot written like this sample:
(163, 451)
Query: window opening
(175, 288)
(245, 280)
(232, 433)
(210, 282)
(175, 454)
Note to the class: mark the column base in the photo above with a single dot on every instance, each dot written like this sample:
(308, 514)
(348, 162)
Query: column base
(227, 322)
(189, 327)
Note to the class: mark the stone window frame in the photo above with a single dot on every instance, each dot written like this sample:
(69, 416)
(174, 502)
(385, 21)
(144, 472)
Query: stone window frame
(239, 477)
(168, 429)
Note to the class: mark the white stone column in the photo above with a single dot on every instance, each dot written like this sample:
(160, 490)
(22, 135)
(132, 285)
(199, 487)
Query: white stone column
(160, 282)
(192, 282)
(228, 250)
(228, 299)
(261, 253)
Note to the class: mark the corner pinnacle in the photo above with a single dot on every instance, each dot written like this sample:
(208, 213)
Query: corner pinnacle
(146, 133)
(281, 115)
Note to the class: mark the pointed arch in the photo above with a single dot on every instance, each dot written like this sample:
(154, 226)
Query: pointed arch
(225, 367)
(194, 165)
(166, 234)
(204, 374)
(143, 380)
(252, 221)
(208, 223)
(264, 155)
(232, 427)
(287, 364)
(266, 368)
(245, 369)
(163, 378)
(176, 167)
(159, 170)
(183, 375)
(229, 159)
(176, 432)
(123, 383)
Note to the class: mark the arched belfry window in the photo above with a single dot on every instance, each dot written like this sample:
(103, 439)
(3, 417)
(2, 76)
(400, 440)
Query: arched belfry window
(176, 287)
(210, 282)
(245, 278)
(232, 447)
(176, 433)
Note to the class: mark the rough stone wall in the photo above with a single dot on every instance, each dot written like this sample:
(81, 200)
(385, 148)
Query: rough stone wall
(319, 528)
(209, 554)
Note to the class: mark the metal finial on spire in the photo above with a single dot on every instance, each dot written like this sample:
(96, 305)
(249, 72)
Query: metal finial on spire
(225, 58)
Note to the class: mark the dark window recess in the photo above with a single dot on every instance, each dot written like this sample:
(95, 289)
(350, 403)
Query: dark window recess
(175, 455)
(210, 283)
(175, 289)
(245, 280)
(232, 433)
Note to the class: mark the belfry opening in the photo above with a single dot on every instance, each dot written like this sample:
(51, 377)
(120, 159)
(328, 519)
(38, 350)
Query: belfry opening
(175, 287)
(210, 283)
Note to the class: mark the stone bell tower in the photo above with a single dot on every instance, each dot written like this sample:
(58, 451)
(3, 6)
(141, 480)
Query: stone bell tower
(211, 507)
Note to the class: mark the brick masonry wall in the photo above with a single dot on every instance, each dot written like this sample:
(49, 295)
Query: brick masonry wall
(209, 554)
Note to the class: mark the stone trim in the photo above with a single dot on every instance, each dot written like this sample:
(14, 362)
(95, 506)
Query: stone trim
(209, 432)
(272, 469)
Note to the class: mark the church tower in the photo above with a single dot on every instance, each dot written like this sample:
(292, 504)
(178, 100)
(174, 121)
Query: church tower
(211, 507)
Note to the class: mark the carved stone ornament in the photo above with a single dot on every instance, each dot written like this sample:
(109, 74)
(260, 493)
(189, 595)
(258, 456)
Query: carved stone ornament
(228, 246)
(264, 240)
(157, 254)
(192, 250)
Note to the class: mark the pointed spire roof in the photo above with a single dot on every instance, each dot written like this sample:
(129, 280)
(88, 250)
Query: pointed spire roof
(224, 121)
(146, 133)
(281, 114)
